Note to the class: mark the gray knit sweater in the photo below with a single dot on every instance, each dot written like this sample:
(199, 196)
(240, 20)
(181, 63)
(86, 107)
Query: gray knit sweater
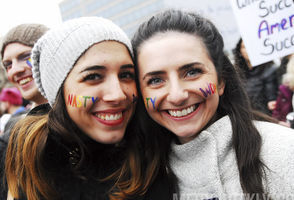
(206, 167)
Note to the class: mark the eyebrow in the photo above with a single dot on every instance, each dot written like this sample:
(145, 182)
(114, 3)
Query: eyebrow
(154, 73)
(20, 56)
(182, 68)
(189, 66)
(24, 54)
(92, 68)
(100, 67)
(127, 66)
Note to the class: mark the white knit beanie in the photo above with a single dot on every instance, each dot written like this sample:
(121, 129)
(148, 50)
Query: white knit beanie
(54, 55)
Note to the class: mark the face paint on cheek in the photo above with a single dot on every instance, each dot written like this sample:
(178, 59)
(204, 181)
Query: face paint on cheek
(77, 100)
(29, 62)
(152, 101)
(85, 100)
(209, 90)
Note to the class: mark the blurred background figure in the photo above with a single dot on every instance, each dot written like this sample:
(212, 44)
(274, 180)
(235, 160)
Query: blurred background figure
(10, 105)
(260, 81)
(285, 99)
(283, 68)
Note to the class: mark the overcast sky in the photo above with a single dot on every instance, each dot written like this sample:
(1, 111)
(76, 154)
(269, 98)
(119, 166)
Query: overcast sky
(14, 12)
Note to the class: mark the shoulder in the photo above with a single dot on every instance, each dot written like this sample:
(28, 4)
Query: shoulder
(276, 138)
(277, 154)
(40, 109)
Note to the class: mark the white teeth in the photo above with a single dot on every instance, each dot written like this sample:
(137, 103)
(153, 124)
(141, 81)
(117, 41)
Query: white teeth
(109, 117)
(24, 81)
(189, 110)
(181, 113)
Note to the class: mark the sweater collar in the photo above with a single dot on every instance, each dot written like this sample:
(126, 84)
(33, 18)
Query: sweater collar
(223, 139)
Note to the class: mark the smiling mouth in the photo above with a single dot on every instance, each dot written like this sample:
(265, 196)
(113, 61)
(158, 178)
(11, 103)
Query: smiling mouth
(25, 80)
(183, 112)
(109, 117)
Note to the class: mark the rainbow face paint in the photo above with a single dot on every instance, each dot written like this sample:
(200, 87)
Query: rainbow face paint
(29, 62)
(78, 100)
(210, 90)
(152, 101)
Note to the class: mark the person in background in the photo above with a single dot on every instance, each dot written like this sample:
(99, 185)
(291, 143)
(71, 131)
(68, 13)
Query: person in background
(285, 95)
(209, 138)
(283, 68)
(10, 104)
(15, 51)
(261, 82)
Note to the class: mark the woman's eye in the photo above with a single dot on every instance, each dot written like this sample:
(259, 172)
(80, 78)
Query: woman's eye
(7, 66)
(154, 81)
(127, 75)
(91, 77)
(193, 72)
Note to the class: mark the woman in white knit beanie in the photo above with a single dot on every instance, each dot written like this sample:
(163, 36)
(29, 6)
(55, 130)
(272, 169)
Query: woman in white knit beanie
(85, 147)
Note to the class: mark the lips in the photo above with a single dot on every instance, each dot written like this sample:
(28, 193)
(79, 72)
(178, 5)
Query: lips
(184, 112)
(110, 117)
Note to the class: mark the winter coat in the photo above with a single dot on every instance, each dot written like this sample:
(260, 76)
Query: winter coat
(262, 86)
(206, 167)
(284, 103)
(85, 184)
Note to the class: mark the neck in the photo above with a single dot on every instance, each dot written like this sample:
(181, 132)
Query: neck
(38, 101)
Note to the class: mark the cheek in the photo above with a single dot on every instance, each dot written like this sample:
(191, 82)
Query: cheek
(151, 99)
(208, 89)
(10, 76)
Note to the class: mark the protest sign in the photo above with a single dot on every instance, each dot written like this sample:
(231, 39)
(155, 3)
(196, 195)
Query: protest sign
(266, 27)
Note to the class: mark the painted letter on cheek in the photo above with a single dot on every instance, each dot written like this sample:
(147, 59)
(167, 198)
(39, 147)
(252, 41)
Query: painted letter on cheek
(85, 100)
(153, 102)
(94, 100)
(147, 99)
(207, 91)
(212, 87)
(74, 103)
(69, 99)
(79, 101)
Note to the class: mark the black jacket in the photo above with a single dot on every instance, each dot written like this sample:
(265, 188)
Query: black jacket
(262, 86)
(85, 184)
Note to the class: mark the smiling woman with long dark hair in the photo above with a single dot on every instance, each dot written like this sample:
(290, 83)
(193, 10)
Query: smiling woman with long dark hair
(211, 142)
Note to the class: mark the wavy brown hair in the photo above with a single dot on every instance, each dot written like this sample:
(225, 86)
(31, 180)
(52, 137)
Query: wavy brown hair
(25, 157)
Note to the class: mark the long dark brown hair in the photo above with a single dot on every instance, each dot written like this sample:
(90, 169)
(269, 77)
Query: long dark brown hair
(234, 102)
(25, 157)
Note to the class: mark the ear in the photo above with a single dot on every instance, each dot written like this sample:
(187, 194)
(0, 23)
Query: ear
(221, 87)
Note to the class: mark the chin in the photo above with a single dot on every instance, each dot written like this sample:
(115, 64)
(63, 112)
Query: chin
(109, 139)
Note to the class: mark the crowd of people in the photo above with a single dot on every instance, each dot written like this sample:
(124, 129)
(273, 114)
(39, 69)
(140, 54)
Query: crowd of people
(93, 114)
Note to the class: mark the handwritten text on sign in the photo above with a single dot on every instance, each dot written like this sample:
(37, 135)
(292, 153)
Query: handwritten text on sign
(266, 27)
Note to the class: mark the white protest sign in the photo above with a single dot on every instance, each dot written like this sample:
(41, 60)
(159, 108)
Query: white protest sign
(218, 11)
(266, 27)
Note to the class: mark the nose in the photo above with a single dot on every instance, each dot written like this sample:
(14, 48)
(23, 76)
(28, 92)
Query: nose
(114, 91)
(16, 69)
(177, 94)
